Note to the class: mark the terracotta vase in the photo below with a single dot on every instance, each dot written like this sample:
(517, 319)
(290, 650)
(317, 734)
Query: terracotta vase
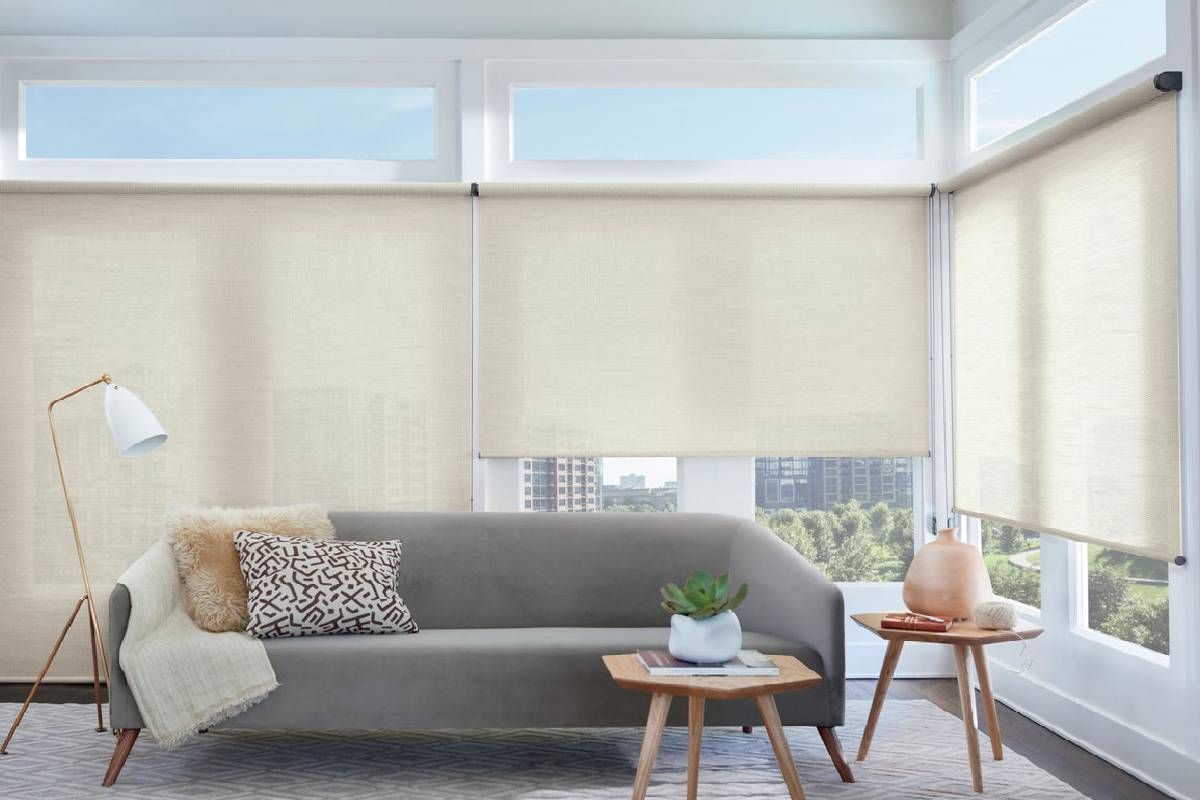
(947, 578)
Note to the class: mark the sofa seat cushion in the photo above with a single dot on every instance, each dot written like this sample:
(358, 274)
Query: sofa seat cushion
(483, 677)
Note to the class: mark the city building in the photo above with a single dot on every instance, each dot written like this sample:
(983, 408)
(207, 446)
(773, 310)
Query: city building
(632, 481)
(561, 484)
(820, 483)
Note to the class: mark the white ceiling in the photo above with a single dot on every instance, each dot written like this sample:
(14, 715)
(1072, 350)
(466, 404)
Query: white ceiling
(595, 19)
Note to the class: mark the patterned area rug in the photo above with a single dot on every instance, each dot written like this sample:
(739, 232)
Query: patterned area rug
(918, 752)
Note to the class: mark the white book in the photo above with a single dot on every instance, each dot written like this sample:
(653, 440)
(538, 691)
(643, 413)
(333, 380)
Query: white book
(747, 662)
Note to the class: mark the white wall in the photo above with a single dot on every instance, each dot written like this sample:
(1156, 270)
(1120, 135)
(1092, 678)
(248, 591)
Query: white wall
(845, 19)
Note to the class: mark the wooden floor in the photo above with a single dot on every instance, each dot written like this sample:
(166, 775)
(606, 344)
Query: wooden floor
(1090, 775)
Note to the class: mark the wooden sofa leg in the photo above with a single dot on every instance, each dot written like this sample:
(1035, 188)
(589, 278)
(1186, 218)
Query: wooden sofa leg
(834, 746)
(125, 740)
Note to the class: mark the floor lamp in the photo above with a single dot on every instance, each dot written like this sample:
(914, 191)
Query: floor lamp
(136, 432)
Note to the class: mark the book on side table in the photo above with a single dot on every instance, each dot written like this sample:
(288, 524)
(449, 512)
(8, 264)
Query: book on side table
(912, 621)
(747, 662)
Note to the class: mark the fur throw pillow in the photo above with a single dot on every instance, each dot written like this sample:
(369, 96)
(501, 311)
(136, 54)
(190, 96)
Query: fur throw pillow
(214, 591)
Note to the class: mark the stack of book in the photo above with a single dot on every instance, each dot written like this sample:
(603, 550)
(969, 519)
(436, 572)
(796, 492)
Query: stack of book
(747, 662)
(912, 621)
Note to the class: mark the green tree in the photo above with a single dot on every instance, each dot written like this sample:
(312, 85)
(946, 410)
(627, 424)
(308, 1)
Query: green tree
(1142, 621)
(1108, 592)
(1021, 585)
(848, 542)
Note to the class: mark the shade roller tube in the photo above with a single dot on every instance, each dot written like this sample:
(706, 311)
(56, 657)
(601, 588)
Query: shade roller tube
(296, 347)
(748, 191)
(1066, 338)
(629, 321)
(123, 187)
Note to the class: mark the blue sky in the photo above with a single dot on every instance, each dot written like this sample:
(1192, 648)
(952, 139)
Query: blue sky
(657, 470)
(359, 122)
(726, 123)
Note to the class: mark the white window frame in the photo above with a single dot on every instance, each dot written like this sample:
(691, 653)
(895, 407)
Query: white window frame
(441, 76)
(972, 57)
(971, 107)
(924, 77)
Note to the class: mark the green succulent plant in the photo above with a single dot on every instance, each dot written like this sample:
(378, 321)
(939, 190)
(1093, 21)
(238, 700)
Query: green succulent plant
(702, 596)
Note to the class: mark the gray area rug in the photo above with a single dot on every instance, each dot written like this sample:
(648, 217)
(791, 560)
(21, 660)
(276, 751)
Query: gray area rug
(918, 752)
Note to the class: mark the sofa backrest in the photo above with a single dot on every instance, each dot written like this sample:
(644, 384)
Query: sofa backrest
(514, 570)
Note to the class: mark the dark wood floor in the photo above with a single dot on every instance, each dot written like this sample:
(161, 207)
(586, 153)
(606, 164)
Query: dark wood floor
(1090, 775)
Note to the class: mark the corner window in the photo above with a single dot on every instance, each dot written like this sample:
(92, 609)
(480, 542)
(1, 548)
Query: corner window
(1093, 45)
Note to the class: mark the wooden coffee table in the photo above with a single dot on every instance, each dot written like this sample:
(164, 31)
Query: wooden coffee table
(629, 673)
(963, 636)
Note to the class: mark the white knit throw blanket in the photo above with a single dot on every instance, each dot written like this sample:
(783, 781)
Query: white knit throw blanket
(184, 678)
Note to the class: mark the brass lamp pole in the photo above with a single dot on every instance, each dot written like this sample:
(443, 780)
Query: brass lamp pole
(136, 431)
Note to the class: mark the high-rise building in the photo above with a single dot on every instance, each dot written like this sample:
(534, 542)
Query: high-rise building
(820, 483)
(561, 484)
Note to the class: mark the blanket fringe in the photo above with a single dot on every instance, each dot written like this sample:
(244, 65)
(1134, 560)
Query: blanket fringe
(177, 738)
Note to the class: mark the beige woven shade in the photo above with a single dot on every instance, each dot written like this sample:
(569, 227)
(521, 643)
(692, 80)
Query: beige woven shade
(296, 346)
(1066, 332)
(701, 322)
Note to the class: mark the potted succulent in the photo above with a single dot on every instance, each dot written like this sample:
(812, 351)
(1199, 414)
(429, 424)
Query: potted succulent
(704, 628)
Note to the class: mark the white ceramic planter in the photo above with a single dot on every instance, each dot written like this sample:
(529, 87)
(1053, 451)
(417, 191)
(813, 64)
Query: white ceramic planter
(705, 641)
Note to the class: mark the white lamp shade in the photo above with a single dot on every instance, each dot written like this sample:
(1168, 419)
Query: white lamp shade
(134, 427)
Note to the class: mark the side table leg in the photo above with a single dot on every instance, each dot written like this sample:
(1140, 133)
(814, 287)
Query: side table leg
(779, 743)
(695, 731)
(659, 705)
(966, 698)
(890, 658)
(989, 701)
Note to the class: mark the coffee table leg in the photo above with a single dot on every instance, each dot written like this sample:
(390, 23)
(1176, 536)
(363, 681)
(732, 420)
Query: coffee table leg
(655, 722)
(966, 698)
(695, 731)
(890, 658)
(779, 743)
(989, 701)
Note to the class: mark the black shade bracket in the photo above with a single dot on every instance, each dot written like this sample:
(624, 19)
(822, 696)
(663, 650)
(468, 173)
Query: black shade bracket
(474, 190)
(1168, 81)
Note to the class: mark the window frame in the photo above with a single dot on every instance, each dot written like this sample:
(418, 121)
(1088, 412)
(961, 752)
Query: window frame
(442, 77)
(971, 95)
(924, 77)
(974, 57)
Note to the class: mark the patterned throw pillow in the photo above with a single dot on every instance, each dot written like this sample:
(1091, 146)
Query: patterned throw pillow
(305, 588)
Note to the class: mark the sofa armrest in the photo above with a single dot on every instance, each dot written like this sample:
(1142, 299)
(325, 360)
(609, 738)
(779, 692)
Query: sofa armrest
(790, 598)
(122, 708)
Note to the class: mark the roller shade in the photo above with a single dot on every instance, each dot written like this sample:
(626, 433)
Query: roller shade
(1066, 338)
(297, 344)
(702, 321)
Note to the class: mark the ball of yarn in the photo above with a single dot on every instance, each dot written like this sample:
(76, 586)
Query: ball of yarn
(996, 615)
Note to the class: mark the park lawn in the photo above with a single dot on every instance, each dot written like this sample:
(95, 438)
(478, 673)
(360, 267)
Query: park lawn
(1150, 591)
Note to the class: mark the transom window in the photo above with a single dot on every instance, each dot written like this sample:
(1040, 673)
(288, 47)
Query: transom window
(97, 121)
(706, 123)
(1096, 43)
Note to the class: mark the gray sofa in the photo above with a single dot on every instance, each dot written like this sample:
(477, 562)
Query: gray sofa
(515, 611)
